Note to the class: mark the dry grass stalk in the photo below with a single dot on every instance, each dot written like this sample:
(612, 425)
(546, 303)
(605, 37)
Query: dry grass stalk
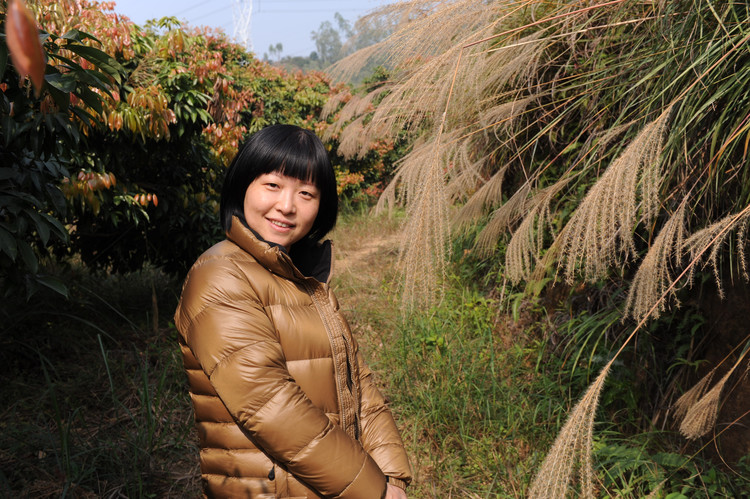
(599, 234)
(525, 247)
(423, 253)
(409, 177)
(657, 491)
(355, 106)
(427, 50)
(607, 136)
(486, 197)
(466, 172)
(501, 117)
(553, 477)
(698, 411)
(427, 47)
(741, 242)
(425, 242)
(690, 397)
(421, 93)
(334, 101)
(718, 232)
(573, 444)
(654, 276)
(423, 29)
(514, 62)
(389, 198)
(701, 417)
(349, 139)
(502, 218)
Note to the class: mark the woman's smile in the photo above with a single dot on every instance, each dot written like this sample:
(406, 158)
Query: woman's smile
(280, 224)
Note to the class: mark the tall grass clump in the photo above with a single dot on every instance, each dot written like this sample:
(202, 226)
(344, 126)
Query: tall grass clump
(605, 140)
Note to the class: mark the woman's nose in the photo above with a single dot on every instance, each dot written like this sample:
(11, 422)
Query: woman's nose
(285, 202)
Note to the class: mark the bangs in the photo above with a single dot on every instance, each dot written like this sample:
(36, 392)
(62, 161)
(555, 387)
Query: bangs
(299, 156)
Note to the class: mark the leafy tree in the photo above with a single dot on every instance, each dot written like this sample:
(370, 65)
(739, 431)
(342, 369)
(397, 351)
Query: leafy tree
(327, 43)
(43, 137)
(275, 51)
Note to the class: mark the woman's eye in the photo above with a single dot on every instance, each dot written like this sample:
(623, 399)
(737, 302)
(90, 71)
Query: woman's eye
(272, 185)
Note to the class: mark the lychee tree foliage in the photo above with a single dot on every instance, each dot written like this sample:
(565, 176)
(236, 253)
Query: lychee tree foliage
(141, 149)
(43, 128)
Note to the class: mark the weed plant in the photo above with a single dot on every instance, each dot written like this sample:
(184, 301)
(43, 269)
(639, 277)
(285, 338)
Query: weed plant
(93, 392)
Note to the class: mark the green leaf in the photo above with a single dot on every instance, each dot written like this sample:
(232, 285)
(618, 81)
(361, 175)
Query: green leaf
(38, 223)
(61, 98)
(79, 36)
(57, 197)
(72, 131)
(91, 98)
(28, 256)
(62, 82)
(68, 63)
(53, 283)
(8, 244)
(43, 231)
(55, 168)
(98, 58)
(24, 196)
(32, 286)
(96, 79)
(62, 233)
(85, 116)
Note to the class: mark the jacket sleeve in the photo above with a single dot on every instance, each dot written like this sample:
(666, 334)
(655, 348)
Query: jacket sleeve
(380, 436)
(226, 327)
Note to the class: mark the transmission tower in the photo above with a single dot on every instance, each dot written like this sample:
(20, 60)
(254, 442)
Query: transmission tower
(242, 11)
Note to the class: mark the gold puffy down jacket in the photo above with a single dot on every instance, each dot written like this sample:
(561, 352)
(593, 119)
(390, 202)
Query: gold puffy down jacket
(284, 405)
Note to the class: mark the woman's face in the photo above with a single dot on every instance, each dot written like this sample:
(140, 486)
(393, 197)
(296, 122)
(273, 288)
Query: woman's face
(281, 209)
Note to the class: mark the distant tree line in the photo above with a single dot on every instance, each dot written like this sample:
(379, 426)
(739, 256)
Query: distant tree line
(334, 41)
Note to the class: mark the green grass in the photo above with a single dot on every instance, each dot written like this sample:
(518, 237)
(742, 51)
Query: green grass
(95, 401)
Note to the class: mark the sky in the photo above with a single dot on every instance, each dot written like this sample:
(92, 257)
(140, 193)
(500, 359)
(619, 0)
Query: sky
(289, 22)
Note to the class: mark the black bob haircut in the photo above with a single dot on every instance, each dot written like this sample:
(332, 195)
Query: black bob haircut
(291, 151)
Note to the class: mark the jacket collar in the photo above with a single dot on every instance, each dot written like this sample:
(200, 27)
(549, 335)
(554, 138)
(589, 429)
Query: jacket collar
(304, 261)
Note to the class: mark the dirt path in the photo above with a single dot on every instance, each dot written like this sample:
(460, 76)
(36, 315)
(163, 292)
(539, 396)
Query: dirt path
(366, 252)
(363, 257)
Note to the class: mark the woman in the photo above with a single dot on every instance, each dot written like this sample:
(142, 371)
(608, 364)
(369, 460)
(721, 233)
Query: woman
(284, 405)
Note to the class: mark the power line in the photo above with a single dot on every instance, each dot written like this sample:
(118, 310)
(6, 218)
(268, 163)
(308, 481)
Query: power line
(307, 11)
(204, 2)
(257, 13)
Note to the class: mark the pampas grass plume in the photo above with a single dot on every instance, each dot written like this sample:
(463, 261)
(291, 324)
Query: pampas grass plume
(573, 444)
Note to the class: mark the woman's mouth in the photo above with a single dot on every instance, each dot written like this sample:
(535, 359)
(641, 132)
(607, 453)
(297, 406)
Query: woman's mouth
(283, 225)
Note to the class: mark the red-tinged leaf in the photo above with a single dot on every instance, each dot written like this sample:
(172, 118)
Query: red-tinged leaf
(22, 37)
